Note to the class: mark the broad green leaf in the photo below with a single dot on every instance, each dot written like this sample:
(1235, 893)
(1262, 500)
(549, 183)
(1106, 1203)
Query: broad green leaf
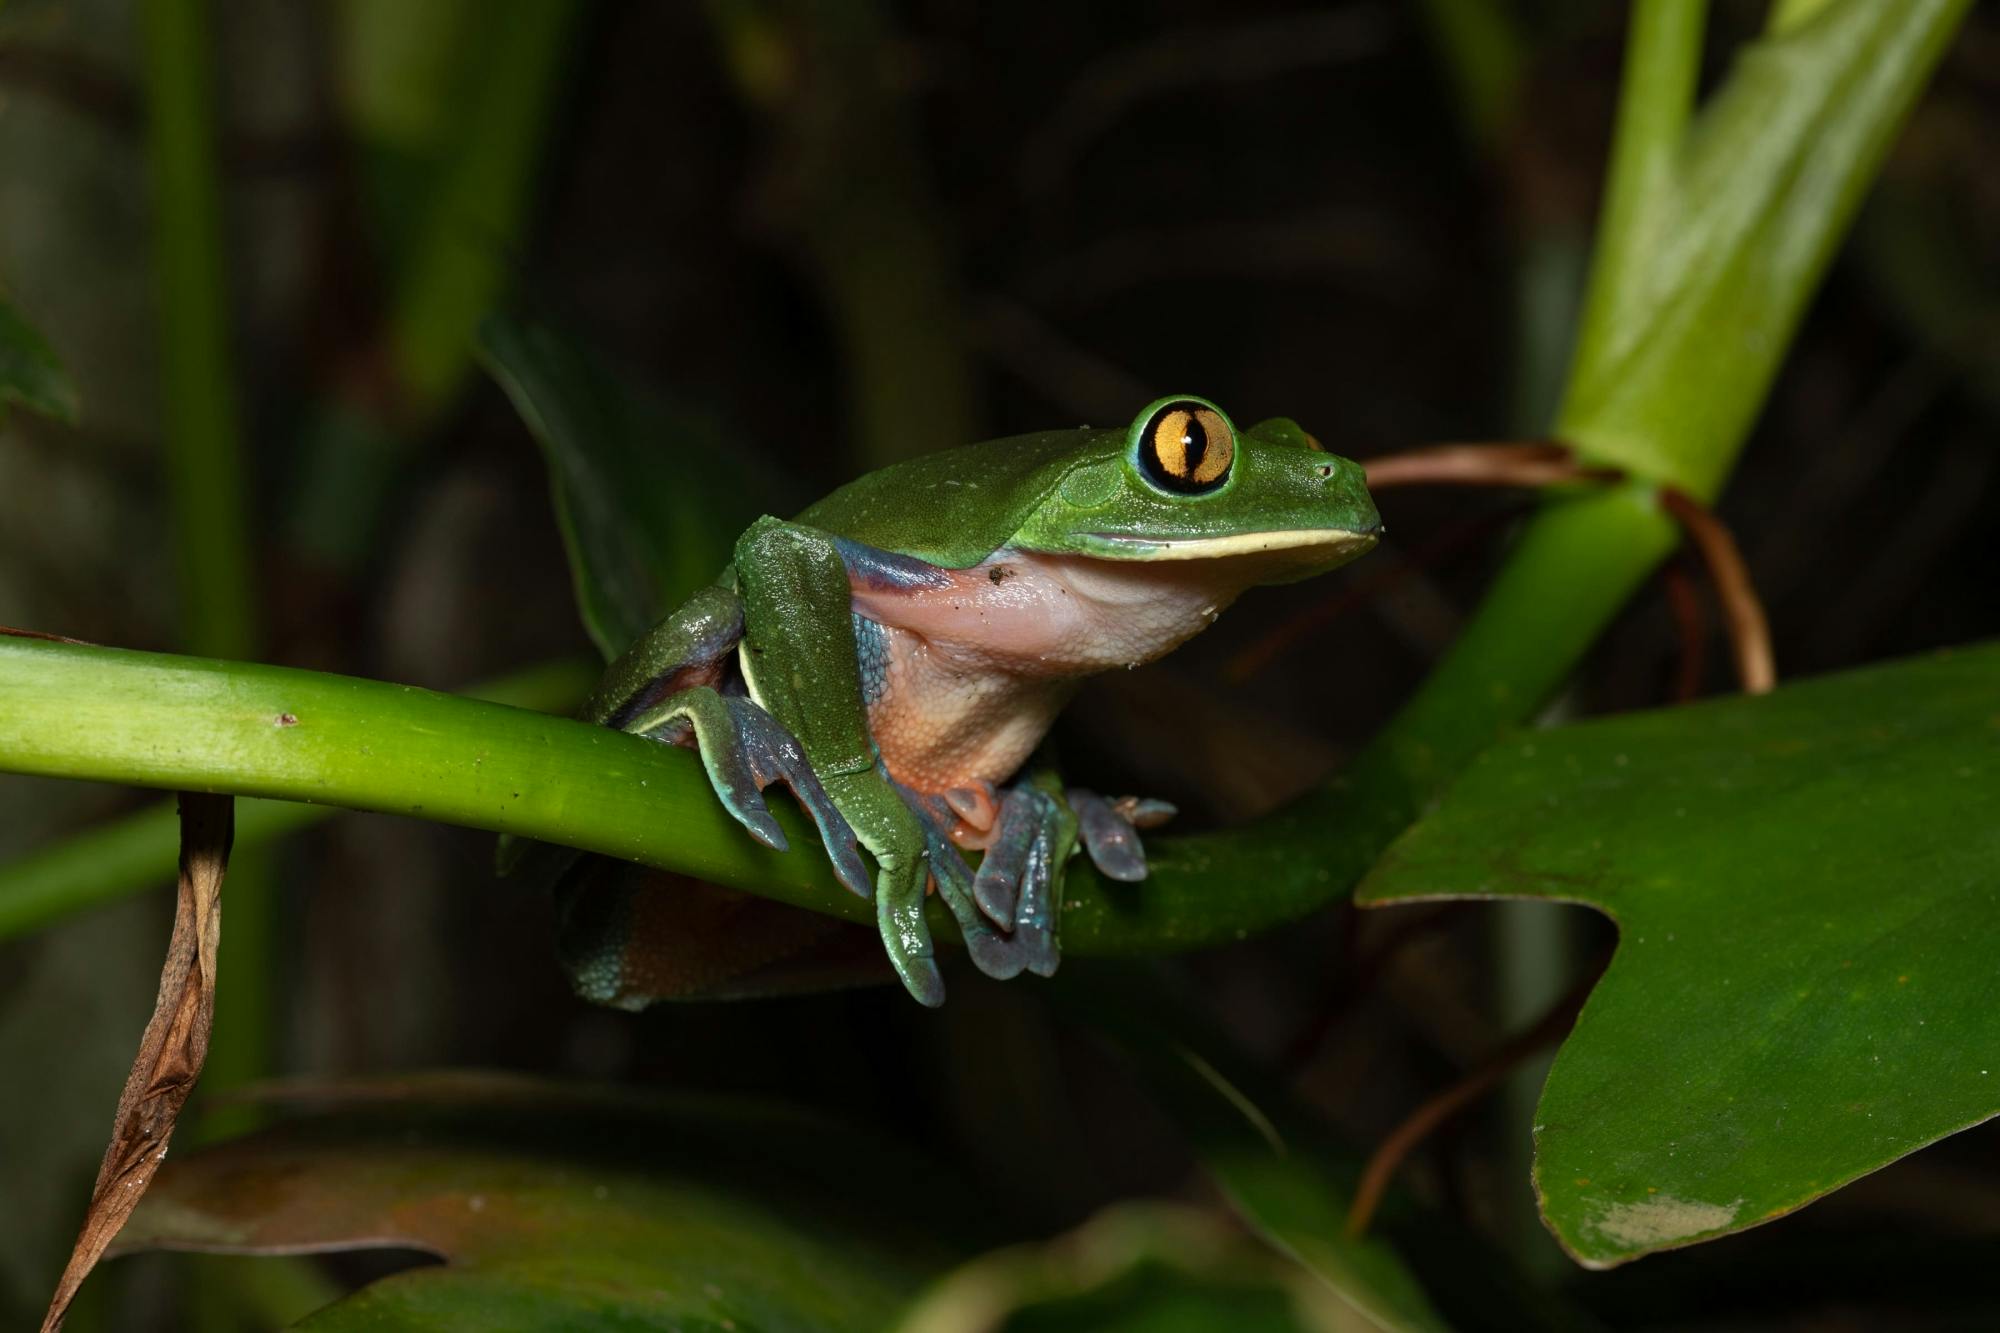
(651, 497)
(30, 374)
(1807, 891)
(1292, 1190)
(1134, 1268)
(555, 1207)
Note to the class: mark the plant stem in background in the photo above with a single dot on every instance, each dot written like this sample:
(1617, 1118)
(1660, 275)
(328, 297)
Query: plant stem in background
(463, 101)
(208, 484)
(869, 231)
(205, 471)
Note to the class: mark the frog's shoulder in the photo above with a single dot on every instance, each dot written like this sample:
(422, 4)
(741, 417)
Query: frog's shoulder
(956, 507)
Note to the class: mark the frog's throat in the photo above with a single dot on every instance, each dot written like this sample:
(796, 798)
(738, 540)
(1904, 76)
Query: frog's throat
(1323, 541)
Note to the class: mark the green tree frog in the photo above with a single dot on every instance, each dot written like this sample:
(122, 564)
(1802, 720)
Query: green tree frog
(896, 653)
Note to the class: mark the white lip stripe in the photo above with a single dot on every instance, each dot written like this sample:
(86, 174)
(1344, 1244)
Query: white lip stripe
(1243, 543)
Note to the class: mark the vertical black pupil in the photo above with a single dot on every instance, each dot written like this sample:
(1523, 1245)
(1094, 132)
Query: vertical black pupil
(1195, 439)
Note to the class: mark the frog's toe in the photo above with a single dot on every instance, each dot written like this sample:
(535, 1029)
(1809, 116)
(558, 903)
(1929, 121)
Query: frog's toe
(997, 887)
(737, 776)
(772, 754)
(906, 936)
(1035, 919)
(1109, 835)
(744, 750)
(1016, 885)
(1144, 812)
(953, 878)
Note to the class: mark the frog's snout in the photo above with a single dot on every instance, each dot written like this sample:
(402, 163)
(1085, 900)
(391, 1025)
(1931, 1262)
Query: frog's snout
(1346, 485)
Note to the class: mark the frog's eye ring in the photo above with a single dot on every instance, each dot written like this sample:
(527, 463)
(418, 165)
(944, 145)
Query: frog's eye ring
(1187, 448)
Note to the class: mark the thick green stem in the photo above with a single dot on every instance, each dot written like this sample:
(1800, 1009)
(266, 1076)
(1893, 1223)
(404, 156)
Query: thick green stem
(127, 856)
(863, 213)
(1656, 98)
(108, 714)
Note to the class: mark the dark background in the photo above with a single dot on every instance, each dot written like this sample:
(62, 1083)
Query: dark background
(941, 223)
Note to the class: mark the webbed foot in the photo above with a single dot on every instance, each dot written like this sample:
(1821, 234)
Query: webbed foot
(1110, 831)
(744, 750)
(1020, 880)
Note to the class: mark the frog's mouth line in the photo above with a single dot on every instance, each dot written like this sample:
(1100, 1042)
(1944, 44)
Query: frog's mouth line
(1330, 540)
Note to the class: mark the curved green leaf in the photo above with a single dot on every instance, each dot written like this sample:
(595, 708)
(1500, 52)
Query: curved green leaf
(1142, 1267)
(650, 497)
(1288, 1187)
(555, 1207)
(30, 374)
(1807, 889)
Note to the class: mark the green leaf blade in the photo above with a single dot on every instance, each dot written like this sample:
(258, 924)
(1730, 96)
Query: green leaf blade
(560, 1207)
(650, 497)
(30, 373)
(1806, 886)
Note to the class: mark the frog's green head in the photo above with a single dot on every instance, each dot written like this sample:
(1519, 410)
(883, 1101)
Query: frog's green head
(1183, 483)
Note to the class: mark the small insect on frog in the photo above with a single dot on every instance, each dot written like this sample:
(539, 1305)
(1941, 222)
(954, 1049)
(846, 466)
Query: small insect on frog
(896, 653)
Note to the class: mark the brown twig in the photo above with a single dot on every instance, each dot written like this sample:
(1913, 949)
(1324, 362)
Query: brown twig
(1521, 463)
(1684, 600)
(1743, 613)
(1274, 644)
(1420, 1123)
(1357, 976)
(172, 1049)
(14, 632)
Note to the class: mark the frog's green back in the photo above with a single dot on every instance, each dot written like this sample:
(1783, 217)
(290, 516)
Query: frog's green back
(957, 507)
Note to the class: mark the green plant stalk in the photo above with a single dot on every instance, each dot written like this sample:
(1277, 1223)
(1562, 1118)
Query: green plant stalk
(1655, 99)
(864, 216)
(183, 723)
(180, 723)
(206, 479)
(1716, 231)
(205, 471)
(126, 856)
(1479, 45)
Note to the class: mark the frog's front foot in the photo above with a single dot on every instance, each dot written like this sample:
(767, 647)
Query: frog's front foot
(1008, 911)
(744, 750)
(1020, 881)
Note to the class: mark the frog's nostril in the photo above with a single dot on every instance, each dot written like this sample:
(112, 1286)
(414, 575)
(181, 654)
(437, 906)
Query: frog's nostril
(1324, 470)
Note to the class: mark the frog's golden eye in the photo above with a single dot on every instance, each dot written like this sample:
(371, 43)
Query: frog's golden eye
(1187, 447)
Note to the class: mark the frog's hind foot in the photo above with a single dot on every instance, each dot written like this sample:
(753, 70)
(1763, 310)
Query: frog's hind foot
(744, 750)
(1110, 831)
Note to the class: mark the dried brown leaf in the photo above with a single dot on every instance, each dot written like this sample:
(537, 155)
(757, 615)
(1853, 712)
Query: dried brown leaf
(173, 1047)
